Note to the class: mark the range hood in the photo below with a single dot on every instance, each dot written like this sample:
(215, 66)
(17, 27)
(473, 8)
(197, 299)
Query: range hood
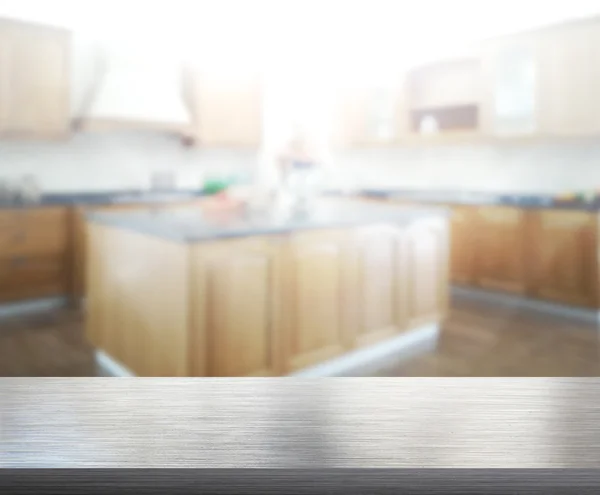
(134, 92)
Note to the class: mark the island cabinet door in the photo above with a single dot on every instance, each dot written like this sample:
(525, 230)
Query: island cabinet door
(379, 275)
(235, 309)
(316, 287)
(501, 247)
(565, 264)
(427, 266)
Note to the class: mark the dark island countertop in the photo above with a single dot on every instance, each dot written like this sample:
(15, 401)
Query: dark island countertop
(520, 200)
(434, 197)
(189, 224)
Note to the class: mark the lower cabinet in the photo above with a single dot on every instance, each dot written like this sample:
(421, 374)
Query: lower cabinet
(548, 254)
(378, 306)
(34, 253)
(500, 256)
(427, 264)
(236, 294)
(317, 296)
(273, 305)
(401, 279)
(565, 267)
(462, 249)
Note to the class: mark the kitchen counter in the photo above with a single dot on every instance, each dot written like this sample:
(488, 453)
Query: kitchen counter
(196, 293)
(477, 198)
(189, 224)
(102, 198)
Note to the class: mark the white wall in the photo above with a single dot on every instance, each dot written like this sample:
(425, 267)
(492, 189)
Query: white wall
(102, 162)
(550, 167)
(115, 161)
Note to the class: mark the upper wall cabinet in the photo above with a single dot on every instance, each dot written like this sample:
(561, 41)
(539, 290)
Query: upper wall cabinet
(445, 97)
(34, 81)
(511, 74)
(569, 79)
(375, 115)
(227, 109)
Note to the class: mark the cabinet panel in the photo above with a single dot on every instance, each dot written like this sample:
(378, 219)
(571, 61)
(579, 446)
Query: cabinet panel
(5, 49)
(236, 290)
(34, 249)
(565, 265)
(427, 262)
(34, 83)
(446, 84)
(34, 232)
(371, 116)
(569, 79)
(379, 311)
(29, 278)
(316, 297)
(228, 111)
(462, 248)
(511, 70)
(500, 258)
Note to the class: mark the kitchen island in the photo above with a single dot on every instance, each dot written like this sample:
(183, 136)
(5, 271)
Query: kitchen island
(194, 292)
(528, 250)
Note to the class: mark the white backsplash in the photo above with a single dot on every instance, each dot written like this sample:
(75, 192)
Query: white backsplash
(110, 161)
(548, 167)
(101, 162)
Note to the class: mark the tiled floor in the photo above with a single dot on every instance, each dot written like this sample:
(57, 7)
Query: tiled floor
(479, 339)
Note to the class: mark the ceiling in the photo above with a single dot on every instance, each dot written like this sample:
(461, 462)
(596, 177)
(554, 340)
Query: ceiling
(364, 31)
(467, 18)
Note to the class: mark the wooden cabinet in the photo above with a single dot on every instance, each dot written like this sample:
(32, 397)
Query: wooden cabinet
(565, 267)
(569, 79)
(227, 110)
(236, 295)
(370, 116)
(34, 80)
(379, 266)
(316, 293)
(462, 248)
(78, 235)
(263, 305)
(545, 254)
(512, 81)
(34, 253)
(500, 258)
(427, 271)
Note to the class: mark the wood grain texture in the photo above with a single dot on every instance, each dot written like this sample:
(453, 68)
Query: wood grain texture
(316, 298)
(500, 257)
(427, 265)
(35, 87)
(138, 301)
(565, 265)
(462, 247)
(379, 289)
(263, 306)
(34, 253)
(78, 235)
(545, 254)
(236, 304)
